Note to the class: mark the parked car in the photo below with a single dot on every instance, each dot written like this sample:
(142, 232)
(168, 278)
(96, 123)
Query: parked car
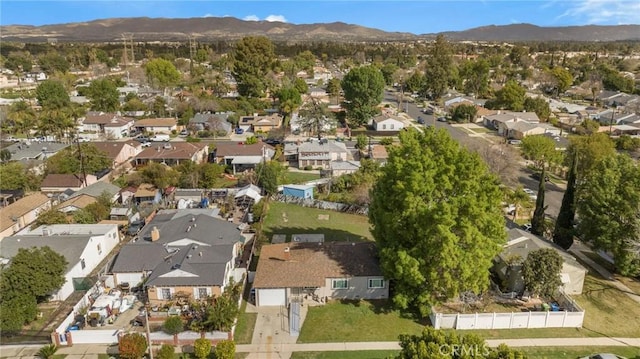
(604, 356)
(184, 132)
(532, 194)
(145, 144)
(442, 119)
(515, 142)
(160, 138)
(83, 139)
(134, 228)
(142, 139)
(527, 227)
(536, 176)
(420, 120)
(239, 131)
(13, 139)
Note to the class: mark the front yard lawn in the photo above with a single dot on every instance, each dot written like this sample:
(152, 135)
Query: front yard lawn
(246, 324)
(355, 321)
(578, 352)
(299, 177)
(284, 218)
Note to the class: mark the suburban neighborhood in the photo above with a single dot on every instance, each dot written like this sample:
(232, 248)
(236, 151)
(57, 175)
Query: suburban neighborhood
(402, 199)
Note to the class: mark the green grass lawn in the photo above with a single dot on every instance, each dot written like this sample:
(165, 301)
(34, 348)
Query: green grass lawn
(245, 325)
(365, 354)
(609, 311)
(355, 321)
(532, 333)
(299, 177)
(579, 352)
(283, 218)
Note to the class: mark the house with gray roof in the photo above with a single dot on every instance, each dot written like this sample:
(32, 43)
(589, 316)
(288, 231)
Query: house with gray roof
(97, 189)
(316, 154)
(30, 150)
(216, 122)
(187, 253)
(83, 246)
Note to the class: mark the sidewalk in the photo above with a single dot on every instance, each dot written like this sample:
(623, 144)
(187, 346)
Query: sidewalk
(577, 248)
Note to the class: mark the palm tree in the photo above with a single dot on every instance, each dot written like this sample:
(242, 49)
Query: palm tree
(22, 116)
(47, 351)
(520, 199)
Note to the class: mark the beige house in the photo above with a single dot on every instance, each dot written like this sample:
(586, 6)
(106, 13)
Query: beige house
(156, 125)
(298, 272)
(21, 213)
(174, 153)
(119, 152)
(55, 183)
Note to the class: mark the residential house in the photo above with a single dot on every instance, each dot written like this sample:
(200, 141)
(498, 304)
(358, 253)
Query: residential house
(318, 92)
(22, 213)
(242, 156)
(127, 194)
(98, 189)
(298, 272)
(378, 153)
(174, 153)
(28, 151)
(630, 130)
(119, 152)
(521, 129)
(111, 125)
(316, 154)
(247, 196)
(76, 203)
(147, 193)
(257, 123)
(56, 183)
(215, 122)
(508, 264)
(499, 120)
(9, 196)
(614, 117)
(458, 100)
(187, 254)
(83, 246)
(192, 196)
(339, 168)
(302, 127)
(156, 125)
(121, 214)
(390, 123)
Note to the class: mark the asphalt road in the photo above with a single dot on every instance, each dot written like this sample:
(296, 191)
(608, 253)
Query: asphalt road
(553, 193)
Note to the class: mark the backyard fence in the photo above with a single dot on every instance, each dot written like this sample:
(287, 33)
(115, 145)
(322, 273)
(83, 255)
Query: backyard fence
(314, 203)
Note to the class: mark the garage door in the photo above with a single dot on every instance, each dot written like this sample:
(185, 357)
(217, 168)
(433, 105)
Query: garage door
(271, 297)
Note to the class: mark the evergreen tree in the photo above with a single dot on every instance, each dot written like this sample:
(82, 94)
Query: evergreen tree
(564, 231)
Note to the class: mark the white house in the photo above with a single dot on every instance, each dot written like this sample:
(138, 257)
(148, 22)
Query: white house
(387, 123)
(84, 246)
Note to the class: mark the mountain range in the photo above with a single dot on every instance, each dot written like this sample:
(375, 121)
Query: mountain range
(229, 28)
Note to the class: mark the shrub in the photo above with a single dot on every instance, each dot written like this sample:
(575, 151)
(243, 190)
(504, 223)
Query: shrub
(225, 349)
(174, 132)
(386, 141)
(202, 348)
(308, 168)
(193, 139)
(173, 325)
(166, 351)
(132, 346)
(47, 351)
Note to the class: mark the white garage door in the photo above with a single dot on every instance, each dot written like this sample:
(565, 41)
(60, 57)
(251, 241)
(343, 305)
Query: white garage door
(271, 297)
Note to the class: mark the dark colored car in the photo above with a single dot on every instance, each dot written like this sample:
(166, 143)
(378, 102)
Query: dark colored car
(134, 228)
(420, 120)
(239, 131)
(536, 176)
(442, 119)
(142, 139)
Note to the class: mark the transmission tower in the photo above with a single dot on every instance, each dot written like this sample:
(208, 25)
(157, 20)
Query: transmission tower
(127, 41)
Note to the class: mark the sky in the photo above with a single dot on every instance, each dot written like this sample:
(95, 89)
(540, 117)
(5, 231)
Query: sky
(416, 16)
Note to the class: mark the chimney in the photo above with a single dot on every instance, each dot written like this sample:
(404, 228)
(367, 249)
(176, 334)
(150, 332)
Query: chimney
(287, 254)
(155, 234)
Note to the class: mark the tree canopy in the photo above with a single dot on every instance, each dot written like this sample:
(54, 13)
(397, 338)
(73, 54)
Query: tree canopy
(363, 89)
(435, 215)
(15, 176)
(609, 210)
(161, 72)
(253, 59)
(68, 160)
(269, 175)
(104, 95)
(510, 97)
(541, 271)
(51, 94)
(438, 71)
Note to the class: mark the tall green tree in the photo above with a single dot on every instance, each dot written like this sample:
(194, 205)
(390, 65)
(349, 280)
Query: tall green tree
(159, 175)
(538, 105)
(18, 309)
(36, 272)
(609, 210)
(21, 117)
(289, 99)
(51, 94)
(14, 175)
(541, 271)
(475, 76)
(132, 346)
(253, 60)
(541, 150)
(52, 216)
(70, 160)
(464, 113)
(563, 231)
(363, 89)
(589, 150)
(333, 88)
(53, 62)
(438, 70)
(269, 175)
(161, 72)
(563, 79)
(445, 203)
(510, 97)
(104, 95)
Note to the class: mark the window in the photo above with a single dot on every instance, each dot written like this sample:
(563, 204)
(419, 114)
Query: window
(82, 264)
(340, 283)
(202, 293)
(391, 126)
(376, 283)
(165, 293)
(384, 127)
(99, 248)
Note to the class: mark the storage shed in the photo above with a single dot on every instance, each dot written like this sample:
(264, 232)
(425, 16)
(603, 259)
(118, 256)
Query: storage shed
(299, 191)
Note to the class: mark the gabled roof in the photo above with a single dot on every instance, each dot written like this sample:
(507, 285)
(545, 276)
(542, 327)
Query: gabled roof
(70, 246)
(19, 208)
(252, 191)
(318, 146)
(387, 118)
(79, 201)
(97, 189)
(230, 149)
(145, 190)
(57, 180)
(522, 243)
(156, 122)
(309, 264)
(34, 150)
(174, 150)
(113, 149)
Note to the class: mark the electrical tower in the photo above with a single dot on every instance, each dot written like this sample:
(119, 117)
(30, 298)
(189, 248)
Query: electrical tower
(193, 49)
(127, 53)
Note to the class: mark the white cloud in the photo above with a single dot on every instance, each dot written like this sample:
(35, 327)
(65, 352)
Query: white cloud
(278, 18)
(251, 18)
(604, 12)
(208, 15)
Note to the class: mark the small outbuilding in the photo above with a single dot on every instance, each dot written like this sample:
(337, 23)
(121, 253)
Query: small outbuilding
(299, 191)
(247, 196)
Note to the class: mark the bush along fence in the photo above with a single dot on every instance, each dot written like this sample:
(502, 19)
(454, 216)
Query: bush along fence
(314, 203)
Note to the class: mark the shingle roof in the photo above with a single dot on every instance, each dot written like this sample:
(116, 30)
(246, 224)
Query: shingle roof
(176, 150)
(70, 246)
(226, 149)
(522, 243)
(35, 150)
(157, 122)
(79, 201)
(97, 189)
(113, 149)
(308, 264)
(20, 208)
(62, 180)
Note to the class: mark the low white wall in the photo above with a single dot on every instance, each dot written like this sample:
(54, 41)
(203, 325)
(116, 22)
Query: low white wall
(508, 320)
(106, 336)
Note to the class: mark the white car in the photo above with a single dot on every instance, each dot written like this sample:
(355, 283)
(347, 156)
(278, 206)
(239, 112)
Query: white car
(146, 144)
(13, 139)
(83, 139)
(604, 356)
(532, 194)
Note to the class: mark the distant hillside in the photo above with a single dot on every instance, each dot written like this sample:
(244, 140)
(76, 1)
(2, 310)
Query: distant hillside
(528, 32)
(229, 28)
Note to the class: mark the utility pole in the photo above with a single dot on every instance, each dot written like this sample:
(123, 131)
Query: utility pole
(82, 168)
(146, 317)
(193, 45)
